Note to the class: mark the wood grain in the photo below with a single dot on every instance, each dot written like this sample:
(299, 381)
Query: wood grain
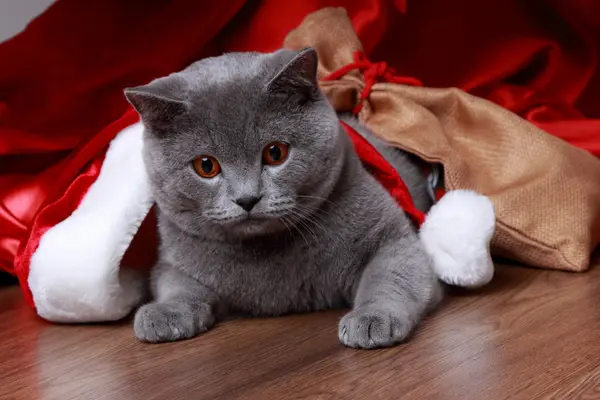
(530, 335)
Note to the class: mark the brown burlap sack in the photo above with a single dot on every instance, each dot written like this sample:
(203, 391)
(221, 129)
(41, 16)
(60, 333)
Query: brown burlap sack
(546, 193)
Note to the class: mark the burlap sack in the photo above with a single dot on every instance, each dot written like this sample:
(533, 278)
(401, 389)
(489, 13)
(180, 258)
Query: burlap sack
(546, 193)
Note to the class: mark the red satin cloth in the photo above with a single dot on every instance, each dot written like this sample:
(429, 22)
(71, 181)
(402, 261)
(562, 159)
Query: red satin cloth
(61, 80)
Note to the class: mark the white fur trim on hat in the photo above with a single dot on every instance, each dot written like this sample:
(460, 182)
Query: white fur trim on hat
(456, 234)
(75, 273)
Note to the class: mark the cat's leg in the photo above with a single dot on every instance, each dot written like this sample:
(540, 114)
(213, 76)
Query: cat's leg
(182, 308)
(396, 290)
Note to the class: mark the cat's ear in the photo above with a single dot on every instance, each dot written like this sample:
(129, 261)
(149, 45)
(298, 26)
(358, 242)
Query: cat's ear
(158, 102)
(298, 76)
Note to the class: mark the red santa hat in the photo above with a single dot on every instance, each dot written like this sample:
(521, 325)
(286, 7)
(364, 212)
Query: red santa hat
(79, 262)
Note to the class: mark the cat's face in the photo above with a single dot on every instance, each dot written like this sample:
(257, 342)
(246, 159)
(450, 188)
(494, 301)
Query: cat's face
(242, 143)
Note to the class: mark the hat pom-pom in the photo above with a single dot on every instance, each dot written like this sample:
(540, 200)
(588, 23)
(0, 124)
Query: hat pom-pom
(456, 235)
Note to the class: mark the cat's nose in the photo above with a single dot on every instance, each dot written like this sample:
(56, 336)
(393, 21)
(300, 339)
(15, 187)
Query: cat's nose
(247, 202)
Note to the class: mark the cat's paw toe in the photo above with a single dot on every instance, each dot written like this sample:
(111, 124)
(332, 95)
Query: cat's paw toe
(161, 322)
(372, 328)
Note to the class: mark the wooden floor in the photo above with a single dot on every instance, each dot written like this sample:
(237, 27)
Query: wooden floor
(530, 335)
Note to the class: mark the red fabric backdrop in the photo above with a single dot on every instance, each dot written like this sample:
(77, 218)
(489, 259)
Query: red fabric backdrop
(61, 80)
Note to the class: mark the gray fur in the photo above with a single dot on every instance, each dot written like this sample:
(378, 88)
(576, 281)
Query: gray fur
(325, 233)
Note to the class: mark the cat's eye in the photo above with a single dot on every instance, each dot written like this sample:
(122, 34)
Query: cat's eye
(207, 166)
(275, 153)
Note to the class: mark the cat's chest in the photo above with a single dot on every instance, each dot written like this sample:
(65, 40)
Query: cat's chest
(284, 261)
(307, 273)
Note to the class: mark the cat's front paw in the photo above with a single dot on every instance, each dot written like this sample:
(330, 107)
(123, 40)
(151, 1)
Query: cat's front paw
(370, 328)
(167, 322)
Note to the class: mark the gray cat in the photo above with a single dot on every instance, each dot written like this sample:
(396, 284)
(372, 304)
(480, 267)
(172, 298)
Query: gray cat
(265, 208)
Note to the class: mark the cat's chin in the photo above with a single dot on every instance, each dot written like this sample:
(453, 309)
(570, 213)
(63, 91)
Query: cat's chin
(253, 226)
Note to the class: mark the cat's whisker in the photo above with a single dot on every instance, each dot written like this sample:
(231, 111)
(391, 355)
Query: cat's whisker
(299, 223)
(282, 219)
(314, 211)
(312, 217)
(331, 235)
(303, 221)
(295, 226)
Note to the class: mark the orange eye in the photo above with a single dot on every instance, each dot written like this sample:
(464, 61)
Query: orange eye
(275, 153)
(207, 166)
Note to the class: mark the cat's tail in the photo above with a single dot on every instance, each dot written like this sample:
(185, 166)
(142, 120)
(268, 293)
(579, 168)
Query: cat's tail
(456, 234)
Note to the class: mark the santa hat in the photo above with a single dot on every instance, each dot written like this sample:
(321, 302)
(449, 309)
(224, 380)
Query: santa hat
(78, 263)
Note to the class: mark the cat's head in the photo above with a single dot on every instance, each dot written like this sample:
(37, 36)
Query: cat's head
(244, 143)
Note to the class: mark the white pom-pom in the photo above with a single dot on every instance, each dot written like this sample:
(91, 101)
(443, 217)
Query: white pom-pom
(456, 234)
